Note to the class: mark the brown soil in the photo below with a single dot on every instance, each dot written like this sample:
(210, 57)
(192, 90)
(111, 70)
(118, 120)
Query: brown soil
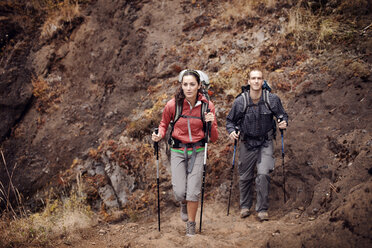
(114, 60)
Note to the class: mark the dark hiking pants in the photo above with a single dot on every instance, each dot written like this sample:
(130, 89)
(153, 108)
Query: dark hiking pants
(264, 160)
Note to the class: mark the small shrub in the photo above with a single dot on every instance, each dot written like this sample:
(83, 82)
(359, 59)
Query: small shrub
(58, 12)
(148, 119)
(229, 82)
(47, 93)
(237, 9)
(328, 29)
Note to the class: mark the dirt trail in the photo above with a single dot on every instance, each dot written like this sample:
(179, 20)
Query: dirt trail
(218, 230)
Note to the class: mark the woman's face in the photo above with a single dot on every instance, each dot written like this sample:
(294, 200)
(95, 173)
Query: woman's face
(190, 87)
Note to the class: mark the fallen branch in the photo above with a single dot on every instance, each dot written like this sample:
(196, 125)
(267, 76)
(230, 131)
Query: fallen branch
(333, 188)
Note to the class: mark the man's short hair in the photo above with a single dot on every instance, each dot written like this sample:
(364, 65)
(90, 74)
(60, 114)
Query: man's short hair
(255, 69)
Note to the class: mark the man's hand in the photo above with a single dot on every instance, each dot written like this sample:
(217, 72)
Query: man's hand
(234, 135)
(282, 124)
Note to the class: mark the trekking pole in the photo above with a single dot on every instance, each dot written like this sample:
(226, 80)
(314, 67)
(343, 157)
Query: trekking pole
(280, 118)
(204, 168)
(156, 146)
(232, 171)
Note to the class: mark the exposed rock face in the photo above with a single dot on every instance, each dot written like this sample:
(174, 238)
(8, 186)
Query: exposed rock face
(16, 95)
(15, 76)
(113, 193)
(84, 77)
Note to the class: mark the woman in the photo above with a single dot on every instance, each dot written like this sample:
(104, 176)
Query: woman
(188, 133)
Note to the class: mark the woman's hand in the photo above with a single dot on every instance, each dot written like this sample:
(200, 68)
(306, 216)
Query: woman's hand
(156, 137)
(209, 117)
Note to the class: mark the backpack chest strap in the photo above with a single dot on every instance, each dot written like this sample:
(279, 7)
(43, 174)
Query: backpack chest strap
(247, 103)
(192, 117)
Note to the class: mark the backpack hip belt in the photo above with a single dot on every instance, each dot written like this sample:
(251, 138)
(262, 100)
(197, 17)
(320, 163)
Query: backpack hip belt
(190, 165)
(269, 135)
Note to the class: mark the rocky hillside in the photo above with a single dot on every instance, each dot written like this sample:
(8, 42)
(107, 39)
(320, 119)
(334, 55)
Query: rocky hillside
(83, 84)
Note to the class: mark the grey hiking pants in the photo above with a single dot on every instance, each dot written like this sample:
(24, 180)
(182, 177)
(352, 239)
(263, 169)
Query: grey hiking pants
(248, 159)
(186, 186)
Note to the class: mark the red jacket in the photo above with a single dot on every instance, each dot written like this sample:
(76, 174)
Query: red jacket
(181, 129)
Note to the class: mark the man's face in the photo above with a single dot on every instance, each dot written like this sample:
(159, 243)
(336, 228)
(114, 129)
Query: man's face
(255, 80)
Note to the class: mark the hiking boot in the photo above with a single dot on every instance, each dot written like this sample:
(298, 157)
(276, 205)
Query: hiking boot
(190, 228)
(184, 216)
(263, 215)
(244, 213)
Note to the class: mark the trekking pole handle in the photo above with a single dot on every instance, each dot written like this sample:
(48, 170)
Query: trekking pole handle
(208, 126)
(280, 119)
(156, 146)
(236, 131)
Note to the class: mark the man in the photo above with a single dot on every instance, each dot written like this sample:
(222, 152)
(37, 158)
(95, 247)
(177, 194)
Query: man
(252, 112)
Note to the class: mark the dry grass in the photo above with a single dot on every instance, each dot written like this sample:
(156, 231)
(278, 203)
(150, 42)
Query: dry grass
(47, 93)
(327, 29)
(240, 9)
(228, 82)
(59, 12)
(237, 9)
(6, 193)
(61, 217)
(54, 14)
(147, 119)
(301, 24)
(317, 31)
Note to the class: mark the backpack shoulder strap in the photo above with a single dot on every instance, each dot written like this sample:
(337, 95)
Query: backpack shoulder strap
(176, 116)
(177, 112)
(203, 109)
(266, 99)
(246, 101)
